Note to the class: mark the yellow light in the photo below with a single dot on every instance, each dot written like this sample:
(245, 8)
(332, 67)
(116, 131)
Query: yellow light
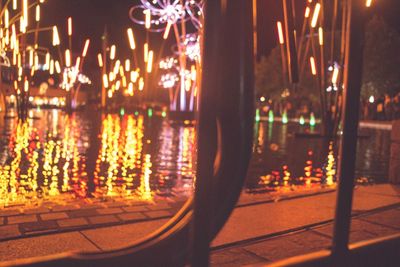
(141, 84)
(315, 15)
(37, 13)
(56, 36)
(307, 13)
(15, 5)
(127, 65)
(150, 62)
(85, 49)
(146, 52)
(67, 58)
(148, 18)
(47, 61)
(112, 52)
(51, 67)
(25, 12)
(6, 18)
(134, 76)
(131, 39)
(105, 81)
(26, 86)
(167, 30)
(321, 36)
(78, 62)
(100, 59)
(313, 67)
(58, 67)
(368, 3)
(31, 58)
(130, 89)
(335, 75)
(69, 26)
(280, 33)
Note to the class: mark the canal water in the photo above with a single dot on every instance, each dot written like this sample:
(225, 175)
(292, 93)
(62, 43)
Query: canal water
(89, 155)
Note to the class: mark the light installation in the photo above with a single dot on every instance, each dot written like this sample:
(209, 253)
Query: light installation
(180, 71)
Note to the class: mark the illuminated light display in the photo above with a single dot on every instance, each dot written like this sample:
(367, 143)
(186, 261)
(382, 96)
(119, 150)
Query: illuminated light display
(271, 116)
(302, 120)
(312, 119)
(180, 77)
(285, 119)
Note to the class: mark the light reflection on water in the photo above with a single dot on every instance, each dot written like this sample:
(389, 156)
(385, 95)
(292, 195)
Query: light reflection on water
(134, 157)
(88, 155)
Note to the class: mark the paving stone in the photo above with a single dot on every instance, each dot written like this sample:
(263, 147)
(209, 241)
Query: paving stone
(36, 210)
(1, 220)
(115, 204)
(132, 216)
(234, 257)
(162, 206)
(53, 216)
(9, 231)
(67, 223)
(82, 213)
(22, 219)
(390, 218)
(109, 211)
(10, 212)
(66, 208)
(40, 226)
(135, 208)
(158, 214)
(103, 219)
(91, 206)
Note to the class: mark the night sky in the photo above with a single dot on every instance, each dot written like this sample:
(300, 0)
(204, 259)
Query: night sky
(92, 16)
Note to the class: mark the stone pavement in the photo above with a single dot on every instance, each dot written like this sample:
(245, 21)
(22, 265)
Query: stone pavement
(263, 251)
(258, 230)
(50, 218)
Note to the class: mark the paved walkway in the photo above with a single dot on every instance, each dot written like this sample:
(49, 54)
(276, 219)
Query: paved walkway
(258, 231)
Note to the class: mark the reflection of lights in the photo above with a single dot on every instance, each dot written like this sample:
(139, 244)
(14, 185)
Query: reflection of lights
(258, 118)
(285, 119)
(302, 120)
(270, 116)
(312, 119)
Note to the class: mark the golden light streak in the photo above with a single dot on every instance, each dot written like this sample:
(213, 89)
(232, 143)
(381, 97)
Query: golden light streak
(78, 62)
(150, 62)
(335, 75)
(321, 36)
(58, 67)
(315, 15)
(307, 13)
(51, 70)
(313, 67)
(167, 30)
(146, 52)
(112, 52)
(85, 49)
(31, 58)
(141, 84)
(26, 86)
(67, 58)
(127, 65)
(47, 64)
(368, 3)
(56, 36)
(69, 26)
(280, 33)
(6, 18)
(25, 12)
(15, 4)
(100, 60)
(105, 81)
(148, 18)
(131, 39)
(37, 17)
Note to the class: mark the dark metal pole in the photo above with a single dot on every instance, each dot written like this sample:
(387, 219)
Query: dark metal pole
(348, 147)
